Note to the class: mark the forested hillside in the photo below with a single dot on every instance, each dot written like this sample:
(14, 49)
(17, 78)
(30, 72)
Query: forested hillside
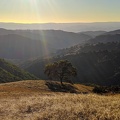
(10, 73)
(96, 65)
(109, 46)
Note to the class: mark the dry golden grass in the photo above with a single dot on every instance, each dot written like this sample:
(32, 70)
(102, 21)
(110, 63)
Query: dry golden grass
(35, 103)
(32, 86)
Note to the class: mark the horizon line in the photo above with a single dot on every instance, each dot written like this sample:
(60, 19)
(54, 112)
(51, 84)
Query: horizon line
(62, 22)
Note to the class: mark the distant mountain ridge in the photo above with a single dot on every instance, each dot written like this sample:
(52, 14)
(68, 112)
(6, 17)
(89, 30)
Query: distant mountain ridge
(27, 44)
(112, 40)
(56, 38)
(5, 31)
(31, 44)
(93, 33)
(14, 46)
(71, 27)
(105, 38)
(113, 32)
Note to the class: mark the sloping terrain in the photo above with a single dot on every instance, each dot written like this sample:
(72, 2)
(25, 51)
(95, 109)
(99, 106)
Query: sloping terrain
(14, 46)
(10, 72)
(109, 46)
(93, 33)
(113, 32)
(5, 31)
(41, 86)
(33, 100)
(30, 44)
(56, 39)
(96, 64)
(105, 39)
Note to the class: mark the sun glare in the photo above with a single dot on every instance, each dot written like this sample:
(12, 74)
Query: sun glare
(36, 9)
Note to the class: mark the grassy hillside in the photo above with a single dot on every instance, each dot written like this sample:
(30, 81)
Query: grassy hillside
(33, 100)
(10, 72)
(42, 86)
(6, 76)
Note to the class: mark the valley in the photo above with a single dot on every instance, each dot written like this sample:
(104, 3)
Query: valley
(95, 54)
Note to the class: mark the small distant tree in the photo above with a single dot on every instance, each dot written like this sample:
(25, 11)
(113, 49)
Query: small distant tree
(61, 70)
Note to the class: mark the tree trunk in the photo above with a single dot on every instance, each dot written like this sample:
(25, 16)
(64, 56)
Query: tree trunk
(61, 81)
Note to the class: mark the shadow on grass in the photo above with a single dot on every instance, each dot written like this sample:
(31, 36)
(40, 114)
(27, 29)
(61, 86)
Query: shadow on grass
(57, 87)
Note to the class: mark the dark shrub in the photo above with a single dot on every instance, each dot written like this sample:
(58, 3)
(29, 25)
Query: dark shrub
(104, 89)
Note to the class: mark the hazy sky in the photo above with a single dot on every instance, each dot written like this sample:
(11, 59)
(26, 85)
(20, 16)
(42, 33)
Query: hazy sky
(59, 11)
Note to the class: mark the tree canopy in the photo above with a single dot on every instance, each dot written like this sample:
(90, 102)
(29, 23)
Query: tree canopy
(61, 70)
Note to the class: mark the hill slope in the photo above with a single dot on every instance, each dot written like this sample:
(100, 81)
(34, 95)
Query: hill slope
(26, 44)
(41, 86)
(14, 46)
(112, 32)
(10, 72)
(105, 38)
(57, 39)
(97, 64)
(109, 46)
(5, 31)
(93, 33)
(28, 100)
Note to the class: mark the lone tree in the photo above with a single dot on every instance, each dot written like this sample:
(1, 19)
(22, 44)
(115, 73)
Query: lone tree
(61, 70)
